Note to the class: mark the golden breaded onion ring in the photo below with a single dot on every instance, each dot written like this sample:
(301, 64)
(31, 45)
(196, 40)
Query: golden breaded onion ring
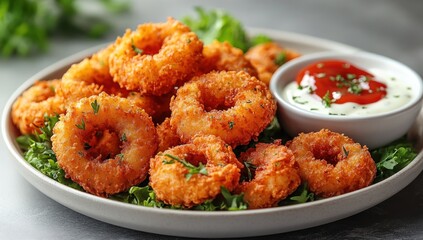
(219, 56)
(39, 100)
(266, 58)
(276, 175)
(104, 143)
(170, 180)
(232, 105)
(155, 57)
(89, 77)
(331, 163)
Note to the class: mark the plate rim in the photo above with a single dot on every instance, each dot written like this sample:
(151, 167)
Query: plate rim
(30, 173)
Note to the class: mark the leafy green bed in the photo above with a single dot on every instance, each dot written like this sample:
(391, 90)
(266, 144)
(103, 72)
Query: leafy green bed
(215, 24)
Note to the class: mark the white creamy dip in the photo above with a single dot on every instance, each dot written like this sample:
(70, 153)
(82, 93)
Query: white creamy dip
(399, 93)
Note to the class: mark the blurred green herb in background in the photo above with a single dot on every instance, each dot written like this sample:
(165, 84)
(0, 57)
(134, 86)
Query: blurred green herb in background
(27, 25)
(218, 25)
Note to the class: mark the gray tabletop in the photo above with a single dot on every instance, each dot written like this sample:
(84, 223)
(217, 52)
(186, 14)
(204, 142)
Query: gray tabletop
(391, 28)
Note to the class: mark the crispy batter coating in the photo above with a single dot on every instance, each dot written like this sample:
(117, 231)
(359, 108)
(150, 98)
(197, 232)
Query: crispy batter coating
(156, 57)
(169, 180)
(167, 136)
(331, 163)
(264, 58)
(232, 105)
(106, 150)
(155, 106)
(224, 57)
(40, 99)
(276, 175)
(89, 77)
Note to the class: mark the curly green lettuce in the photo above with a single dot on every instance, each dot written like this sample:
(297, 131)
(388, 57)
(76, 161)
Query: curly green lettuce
(38, 152)
(145, 196)
(218, 25)
(392, 158)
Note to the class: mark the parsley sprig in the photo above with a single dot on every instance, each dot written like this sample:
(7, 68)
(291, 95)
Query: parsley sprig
(27, 25)
(218, 25)
(201, 169)
(95, 106)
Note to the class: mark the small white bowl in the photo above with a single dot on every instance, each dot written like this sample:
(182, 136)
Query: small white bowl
(374, 130)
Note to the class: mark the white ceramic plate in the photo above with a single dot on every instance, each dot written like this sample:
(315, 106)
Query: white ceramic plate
(212, 224)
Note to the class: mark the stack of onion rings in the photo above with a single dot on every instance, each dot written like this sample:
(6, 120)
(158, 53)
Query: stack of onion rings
(204, 102)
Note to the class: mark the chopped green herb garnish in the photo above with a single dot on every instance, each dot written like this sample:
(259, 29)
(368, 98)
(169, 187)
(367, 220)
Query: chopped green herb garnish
(81, 125)
(201, 169)
(231, 124)
(355, 88)
(350, 76)
(123, 138)
(281, 58)
(95, 106)
(345, 152)
(296, 99)
(326, 101)
(136, 49)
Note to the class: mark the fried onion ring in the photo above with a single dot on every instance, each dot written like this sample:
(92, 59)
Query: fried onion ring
(264, 58)
(331, 163)
(155, 57)
(276, 175)
(40, 99)
(107, 150)
(232, 105)
(89, 77)
(169, 180)
(224, 57)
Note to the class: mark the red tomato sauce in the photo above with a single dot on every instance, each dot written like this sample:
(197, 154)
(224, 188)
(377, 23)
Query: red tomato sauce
(349, 83)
